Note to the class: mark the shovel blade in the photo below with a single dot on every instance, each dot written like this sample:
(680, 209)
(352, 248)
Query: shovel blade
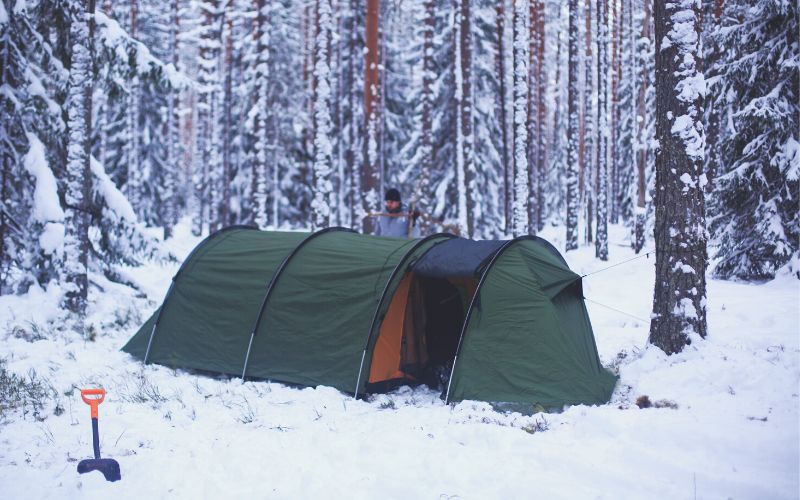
(108, 466)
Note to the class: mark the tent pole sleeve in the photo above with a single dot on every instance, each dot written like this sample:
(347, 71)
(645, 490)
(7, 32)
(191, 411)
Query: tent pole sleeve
(274, 280)
(400, 265)
(474, 301)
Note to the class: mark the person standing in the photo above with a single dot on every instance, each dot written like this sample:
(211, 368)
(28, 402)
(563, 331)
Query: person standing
(395, 221)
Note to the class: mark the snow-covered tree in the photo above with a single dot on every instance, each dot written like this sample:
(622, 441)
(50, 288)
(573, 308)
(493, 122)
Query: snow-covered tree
(573, 195)
(589, 116)
(679, 299)
(465, 161)
(626, 129)
(601, 198)
(537, 84)
(321, 206)
(521, 178)
(78, 179)
(260, 116)
(645, 123)
(370, 173)
(755, 220)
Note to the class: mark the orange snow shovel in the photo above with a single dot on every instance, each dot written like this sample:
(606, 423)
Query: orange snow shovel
(108, 466)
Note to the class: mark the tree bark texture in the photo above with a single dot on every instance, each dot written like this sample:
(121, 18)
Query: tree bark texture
(370, 179)
(601, 241)
(641, 132)
(78, 172)
(465, 167)
(573, 110)
(679, 300)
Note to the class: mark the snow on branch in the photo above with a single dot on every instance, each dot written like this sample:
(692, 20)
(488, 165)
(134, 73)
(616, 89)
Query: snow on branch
(46, 206)
(122, 49)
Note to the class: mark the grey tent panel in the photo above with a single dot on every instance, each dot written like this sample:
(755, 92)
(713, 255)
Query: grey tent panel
(457, 257)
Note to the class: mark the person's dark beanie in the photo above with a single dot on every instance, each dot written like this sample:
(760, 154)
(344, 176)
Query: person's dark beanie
(392, 195)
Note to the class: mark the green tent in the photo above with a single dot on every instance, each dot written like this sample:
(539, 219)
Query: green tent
(497, 321)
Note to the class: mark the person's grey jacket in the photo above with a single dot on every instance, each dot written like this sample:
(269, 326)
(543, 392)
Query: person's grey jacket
(396, 227)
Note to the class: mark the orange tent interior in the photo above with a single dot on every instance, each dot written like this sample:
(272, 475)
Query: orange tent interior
(419, 333)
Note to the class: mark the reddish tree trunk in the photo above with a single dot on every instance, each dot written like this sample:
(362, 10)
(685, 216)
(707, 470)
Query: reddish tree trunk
(370, 181)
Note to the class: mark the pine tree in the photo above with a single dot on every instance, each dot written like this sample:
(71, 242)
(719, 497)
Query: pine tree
(370, 173)
(206, 152)
(323, 189)
(541, 105)
(521, 178)
(679, 300)
(644, 125)
(500, 103)
(169, 212)
(465, 162)
(134, 178)
(425, 157)
(754, 217)
(536, 100)
(77, 187)
(614, 111)
(589, 117)
(601, 189)
(260, 166)
(573, 197)
(626, 112)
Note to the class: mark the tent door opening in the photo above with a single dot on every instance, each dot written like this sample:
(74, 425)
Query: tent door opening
(419, 333)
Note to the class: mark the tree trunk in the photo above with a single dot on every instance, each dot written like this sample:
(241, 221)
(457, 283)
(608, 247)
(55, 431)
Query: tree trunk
(679, 300)
(206, 96)
(260, 173)
(428, 75)
(78, 173)
(573, 105)
(170, 216)
(501, 104)
(588, 129)
(601, 241)
(613, 166)
(535, 70)
(541, 140)
(134, 174)
(370, 181)
(355, 205)
(521, 47)
(641, 142)
(464, 139)
(323, 150)
(227, 104)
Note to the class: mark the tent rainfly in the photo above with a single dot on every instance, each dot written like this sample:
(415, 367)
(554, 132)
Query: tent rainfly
(496, 321)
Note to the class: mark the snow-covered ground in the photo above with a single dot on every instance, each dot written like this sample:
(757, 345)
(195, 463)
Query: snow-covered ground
(724, 422)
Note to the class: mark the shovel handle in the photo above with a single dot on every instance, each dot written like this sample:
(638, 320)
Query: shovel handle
(93, 402)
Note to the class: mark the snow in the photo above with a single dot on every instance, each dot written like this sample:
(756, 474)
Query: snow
(694, 142)
(723, 422)
(46, 205)
(3, 14)
(116, 202)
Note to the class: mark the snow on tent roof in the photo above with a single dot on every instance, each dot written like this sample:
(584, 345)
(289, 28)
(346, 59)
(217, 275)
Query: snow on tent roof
(309, 309)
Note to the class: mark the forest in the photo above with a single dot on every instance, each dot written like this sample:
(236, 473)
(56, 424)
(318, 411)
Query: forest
(618, 317)
(495, 118)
